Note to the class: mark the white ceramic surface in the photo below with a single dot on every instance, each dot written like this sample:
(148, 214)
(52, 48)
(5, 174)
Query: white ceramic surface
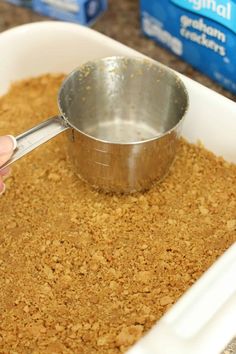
(204, 320)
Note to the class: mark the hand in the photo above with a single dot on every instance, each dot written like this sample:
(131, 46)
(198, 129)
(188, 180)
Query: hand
(7, 146)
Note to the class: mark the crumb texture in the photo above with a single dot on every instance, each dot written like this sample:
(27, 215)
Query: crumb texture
(85, 272)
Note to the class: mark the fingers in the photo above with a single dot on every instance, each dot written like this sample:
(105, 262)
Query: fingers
(5, 172)
(2, 186)
(3, 175)
(7, 146)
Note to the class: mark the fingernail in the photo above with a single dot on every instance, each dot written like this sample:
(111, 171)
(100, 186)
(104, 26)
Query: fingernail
(13, 141)
(3, 188)
(7, 144)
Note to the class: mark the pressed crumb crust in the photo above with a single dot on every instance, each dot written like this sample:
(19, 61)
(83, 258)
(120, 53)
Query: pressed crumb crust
(86, 272)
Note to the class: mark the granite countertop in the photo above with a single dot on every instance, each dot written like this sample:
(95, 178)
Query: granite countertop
(122, 23)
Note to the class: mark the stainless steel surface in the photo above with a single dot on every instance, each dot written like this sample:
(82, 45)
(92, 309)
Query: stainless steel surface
(36, 136)
(126, 116)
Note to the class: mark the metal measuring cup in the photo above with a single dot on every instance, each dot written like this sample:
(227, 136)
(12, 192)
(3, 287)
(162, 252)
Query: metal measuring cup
(123, 116)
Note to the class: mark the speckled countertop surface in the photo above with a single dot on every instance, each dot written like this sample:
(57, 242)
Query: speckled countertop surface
(122, 23)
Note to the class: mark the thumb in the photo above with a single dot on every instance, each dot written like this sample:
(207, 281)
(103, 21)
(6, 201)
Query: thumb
(7, 146)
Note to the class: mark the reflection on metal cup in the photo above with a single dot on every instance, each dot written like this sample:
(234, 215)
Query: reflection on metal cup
(127, 114)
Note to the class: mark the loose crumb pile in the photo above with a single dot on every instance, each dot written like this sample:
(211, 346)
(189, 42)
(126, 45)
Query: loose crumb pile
(85, 272)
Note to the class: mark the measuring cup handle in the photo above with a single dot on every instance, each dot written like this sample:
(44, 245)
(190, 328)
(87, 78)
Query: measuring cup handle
(36, 136)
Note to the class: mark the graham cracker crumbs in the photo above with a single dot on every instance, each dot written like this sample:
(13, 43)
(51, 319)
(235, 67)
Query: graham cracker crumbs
(86, 272)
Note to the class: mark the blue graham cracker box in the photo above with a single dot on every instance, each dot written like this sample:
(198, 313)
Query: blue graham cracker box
(27, 3)
(202, 32)
(84, 12)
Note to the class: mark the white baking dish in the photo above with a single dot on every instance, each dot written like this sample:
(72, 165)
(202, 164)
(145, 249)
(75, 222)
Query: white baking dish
(204, 319)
